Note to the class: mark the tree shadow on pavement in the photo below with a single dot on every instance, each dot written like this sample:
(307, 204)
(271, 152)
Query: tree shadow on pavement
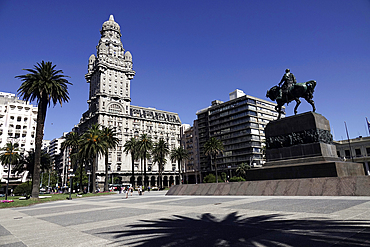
(234, 230)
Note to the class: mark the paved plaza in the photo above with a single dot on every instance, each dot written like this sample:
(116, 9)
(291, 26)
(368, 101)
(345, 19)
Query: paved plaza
(158, 220)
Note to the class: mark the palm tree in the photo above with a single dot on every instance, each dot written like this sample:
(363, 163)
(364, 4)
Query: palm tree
(92, 145)
(180, 154)
(45, 85)
(111, 142)
(159, 153)
(145, 145)
(212, 148)
(11, 157)
(73, 141)
(242, 169)
(131, 146)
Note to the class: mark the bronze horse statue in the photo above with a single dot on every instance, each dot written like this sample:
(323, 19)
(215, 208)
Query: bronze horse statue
(298, 90)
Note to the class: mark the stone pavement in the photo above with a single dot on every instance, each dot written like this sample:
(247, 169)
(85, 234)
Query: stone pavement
(158, 220)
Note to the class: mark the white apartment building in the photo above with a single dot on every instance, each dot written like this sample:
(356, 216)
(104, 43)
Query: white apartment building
(240, 124)
(17, 125)
(110, 72)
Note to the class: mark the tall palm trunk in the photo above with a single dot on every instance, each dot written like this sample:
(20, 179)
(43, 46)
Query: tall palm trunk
(93, 174)
(213, 161)
(141, 170)
(81, 187)
(133, 169)
(42, 107)
(106, 171)
(145, 182)
(160, 184)
(180, 173)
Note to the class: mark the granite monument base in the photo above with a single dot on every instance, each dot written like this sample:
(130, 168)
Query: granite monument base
(305, 136)
(301, 146)
(307, 170)
(328, 186)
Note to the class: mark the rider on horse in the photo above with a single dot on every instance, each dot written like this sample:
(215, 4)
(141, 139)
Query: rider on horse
(288, 82)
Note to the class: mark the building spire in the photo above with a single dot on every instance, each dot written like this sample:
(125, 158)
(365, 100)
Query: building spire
(111, 18)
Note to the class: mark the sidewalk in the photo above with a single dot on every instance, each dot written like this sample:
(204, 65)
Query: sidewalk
(154, 219)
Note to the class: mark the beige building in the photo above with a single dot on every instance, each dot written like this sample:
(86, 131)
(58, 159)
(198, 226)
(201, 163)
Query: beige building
(357, 149)
(110, 72)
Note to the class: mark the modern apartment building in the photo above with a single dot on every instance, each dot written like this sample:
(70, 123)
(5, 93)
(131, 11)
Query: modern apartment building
(110, 72)
(189, 140)
(239, 123)
(61, 161)
(17, 125)
(357, 149)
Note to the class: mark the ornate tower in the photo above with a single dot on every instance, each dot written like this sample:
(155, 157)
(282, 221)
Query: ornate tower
(109, 75)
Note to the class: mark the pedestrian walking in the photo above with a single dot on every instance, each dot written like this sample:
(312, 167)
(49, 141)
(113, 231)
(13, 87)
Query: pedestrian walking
(126, 191)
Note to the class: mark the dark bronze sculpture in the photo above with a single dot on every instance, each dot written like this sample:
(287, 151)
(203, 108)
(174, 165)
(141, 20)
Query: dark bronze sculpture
(291, 90)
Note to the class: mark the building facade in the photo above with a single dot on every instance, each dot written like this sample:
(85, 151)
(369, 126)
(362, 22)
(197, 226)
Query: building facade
(239, 123)
(17, 125)
(61, 160)
(189, 141)
(110, 72)
(357, 149)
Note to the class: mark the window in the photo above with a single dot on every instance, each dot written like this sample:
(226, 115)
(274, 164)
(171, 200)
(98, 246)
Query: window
(346, 153)
(358, 152)
(368, 151)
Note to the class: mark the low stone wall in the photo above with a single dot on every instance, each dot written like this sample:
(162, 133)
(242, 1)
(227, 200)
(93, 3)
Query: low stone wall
(328, 186)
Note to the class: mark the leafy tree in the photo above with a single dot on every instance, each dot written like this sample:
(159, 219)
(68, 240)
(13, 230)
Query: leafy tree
(111, 142)
(92, 145)
(145, 146)
(131, 146)
(242, 169)
(180, 154)
(212, 148)
(159, 153)
(45, 85)
(210, 178)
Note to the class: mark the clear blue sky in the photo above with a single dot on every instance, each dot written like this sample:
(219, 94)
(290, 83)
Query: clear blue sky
(189, 53)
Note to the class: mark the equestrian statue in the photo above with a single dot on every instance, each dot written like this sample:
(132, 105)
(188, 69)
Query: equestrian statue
(291, 90)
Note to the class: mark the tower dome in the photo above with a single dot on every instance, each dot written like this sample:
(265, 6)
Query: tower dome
(111, 25)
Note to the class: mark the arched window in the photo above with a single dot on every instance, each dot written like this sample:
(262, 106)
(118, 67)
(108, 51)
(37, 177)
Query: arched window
(115, 108)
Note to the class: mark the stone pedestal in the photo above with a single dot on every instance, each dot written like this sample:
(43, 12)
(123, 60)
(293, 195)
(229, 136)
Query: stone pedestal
(301, 146)
(303, 138)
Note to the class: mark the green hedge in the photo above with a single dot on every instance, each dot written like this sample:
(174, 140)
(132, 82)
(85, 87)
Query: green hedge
(23, 189)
